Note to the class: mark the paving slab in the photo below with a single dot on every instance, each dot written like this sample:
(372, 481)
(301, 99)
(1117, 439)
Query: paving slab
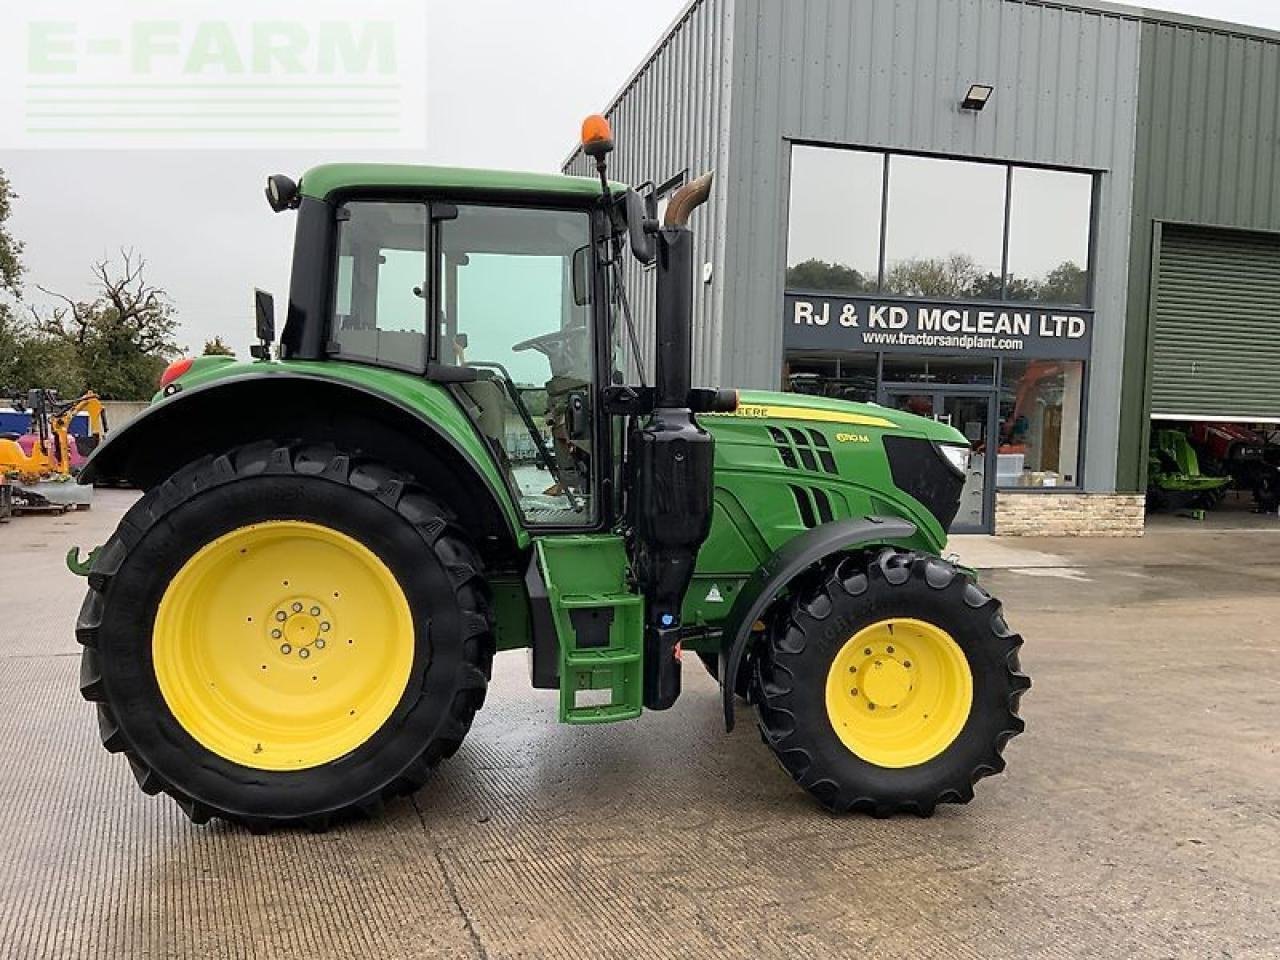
(1139, 816)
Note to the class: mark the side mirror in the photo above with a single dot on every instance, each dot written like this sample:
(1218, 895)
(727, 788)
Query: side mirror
(642, 223)
(581, 267)
(264, 306)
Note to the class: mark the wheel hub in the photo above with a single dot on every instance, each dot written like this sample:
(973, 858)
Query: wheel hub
(301, 625)
(884, 681)
(899, 692)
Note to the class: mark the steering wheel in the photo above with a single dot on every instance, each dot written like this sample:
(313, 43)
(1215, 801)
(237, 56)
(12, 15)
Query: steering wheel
(548, 340)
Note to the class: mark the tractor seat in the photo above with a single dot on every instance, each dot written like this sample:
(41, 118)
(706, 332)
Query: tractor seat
(487, 403)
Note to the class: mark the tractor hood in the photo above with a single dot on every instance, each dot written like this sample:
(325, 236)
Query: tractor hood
(768, 405)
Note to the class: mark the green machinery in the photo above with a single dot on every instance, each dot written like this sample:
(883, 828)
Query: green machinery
(442, 458)
(1174, 479)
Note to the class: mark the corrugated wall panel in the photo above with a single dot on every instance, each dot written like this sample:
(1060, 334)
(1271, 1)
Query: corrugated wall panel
(672, 117)
(891, 73)
(1207, 154)
(1216, 325)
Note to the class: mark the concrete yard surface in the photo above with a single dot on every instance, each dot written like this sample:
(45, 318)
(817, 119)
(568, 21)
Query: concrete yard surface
(1139, 816)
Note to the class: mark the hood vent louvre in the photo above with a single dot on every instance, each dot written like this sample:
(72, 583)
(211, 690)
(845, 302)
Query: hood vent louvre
(804, 450)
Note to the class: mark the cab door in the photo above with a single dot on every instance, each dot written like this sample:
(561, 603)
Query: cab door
(515, 304)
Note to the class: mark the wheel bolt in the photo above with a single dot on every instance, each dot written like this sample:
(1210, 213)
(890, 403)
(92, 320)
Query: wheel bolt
(276, 634)
(320, 643)
(281, 615)
(286, 649)
(324, 626)
(297, 608)
(867, 651)
(315, 611)
(304, 653)
(906, 663)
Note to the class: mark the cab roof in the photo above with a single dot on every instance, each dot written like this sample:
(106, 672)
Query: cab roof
(323, 181)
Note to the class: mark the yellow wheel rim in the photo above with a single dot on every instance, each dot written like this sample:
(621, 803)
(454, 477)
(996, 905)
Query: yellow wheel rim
(899, 692)
(283, 645)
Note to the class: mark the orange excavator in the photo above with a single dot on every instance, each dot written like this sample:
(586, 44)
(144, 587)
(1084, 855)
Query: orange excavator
(39, 467)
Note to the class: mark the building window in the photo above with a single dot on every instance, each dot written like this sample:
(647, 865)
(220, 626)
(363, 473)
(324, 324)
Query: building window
(833, 243)
(945, 230)
(1049, 223)
(944, 236)
(1040, 406)
(968, 371)
(840, 376)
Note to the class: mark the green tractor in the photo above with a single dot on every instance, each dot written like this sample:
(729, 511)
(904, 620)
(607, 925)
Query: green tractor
(442, 460)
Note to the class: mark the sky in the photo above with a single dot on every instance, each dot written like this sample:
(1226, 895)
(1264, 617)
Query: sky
(507, 84)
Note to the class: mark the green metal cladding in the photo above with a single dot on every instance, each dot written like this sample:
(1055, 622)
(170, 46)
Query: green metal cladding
(1207, 154)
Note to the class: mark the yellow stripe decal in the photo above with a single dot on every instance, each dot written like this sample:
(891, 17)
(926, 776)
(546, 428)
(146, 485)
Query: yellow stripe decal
(752, 411)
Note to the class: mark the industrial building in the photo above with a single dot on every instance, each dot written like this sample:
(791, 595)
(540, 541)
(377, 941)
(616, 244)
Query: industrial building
(1051, 223)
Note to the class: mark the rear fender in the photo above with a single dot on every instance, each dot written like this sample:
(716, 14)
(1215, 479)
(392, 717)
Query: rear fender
(425, 435)
(771, 578)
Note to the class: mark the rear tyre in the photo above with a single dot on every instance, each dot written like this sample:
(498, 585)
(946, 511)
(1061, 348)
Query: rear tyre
(285, 634)
(889, 686)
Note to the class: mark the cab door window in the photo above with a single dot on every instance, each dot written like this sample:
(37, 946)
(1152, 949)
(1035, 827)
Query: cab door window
(510, 306)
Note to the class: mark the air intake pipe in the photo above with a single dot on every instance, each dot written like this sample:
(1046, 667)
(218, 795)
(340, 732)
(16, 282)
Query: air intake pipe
(672, 460)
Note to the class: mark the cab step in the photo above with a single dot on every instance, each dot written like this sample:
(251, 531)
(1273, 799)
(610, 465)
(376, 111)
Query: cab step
(600, 624)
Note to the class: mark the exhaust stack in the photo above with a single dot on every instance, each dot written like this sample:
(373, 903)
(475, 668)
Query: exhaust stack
(671, 459)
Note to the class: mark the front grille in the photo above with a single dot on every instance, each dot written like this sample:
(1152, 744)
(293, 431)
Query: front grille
(919, 469)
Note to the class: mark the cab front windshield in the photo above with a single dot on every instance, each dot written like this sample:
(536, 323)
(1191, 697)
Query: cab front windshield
(509, 306)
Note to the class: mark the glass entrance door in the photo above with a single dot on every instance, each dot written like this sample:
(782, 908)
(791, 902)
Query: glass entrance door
(973, 413)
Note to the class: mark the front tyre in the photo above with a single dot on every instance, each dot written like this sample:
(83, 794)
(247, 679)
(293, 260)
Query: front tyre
(889, 686)
(284, 634)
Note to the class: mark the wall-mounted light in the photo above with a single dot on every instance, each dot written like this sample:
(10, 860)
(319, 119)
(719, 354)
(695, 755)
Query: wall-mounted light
(977, 97)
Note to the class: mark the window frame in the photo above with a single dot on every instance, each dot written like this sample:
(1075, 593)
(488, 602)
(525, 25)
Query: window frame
(332, 348)
(603, 484)
(1010, 166)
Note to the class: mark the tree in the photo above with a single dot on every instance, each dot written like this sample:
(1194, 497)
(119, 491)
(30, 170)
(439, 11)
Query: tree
(121, 339)
(217, 348)
(12, 329)
(834, 277)
(939, 278)
(10, 249)
(1066, 283)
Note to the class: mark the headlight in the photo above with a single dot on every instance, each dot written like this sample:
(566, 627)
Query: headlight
(956, 455)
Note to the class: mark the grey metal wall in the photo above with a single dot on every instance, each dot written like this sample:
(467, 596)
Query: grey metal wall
(891, 73)
(672, 117)
(1208, 153)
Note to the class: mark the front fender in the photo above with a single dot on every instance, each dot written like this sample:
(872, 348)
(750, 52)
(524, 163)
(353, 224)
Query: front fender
(768, 581)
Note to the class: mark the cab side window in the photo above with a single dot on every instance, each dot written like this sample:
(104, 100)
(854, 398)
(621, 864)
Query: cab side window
(380, 303)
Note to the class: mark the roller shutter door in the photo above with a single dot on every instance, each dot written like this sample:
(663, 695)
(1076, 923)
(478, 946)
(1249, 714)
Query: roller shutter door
(1216, 349)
